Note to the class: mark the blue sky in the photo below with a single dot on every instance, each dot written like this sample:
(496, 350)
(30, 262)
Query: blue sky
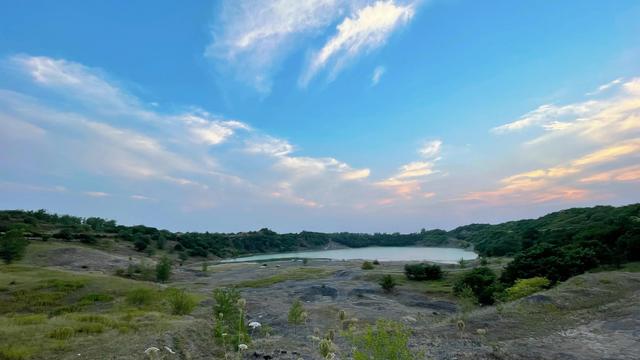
(327, 115)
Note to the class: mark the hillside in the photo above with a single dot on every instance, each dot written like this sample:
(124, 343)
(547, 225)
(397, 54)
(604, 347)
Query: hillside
(614, 230)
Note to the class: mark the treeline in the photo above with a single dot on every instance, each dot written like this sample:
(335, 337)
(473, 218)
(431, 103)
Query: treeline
(561, 244)
(556, 246)
(43, 225)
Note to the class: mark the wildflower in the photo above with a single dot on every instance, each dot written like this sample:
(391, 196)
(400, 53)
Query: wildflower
(254, 324)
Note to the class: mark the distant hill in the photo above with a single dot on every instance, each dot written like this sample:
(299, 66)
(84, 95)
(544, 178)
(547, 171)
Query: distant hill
(611, 233)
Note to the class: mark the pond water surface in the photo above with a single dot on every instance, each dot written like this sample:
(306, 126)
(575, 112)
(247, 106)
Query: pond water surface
(385, 253)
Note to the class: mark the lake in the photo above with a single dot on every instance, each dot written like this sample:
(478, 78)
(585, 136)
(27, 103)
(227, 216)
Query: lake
(386, 253)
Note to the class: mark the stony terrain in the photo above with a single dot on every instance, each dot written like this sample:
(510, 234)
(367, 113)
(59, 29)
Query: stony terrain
(592, 316)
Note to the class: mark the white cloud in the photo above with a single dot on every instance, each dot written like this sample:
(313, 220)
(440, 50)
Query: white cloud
(367, 29)
(268, 145)
(252, 37)
(606, 86)
(141, 198)
(97, 194)
(431, 149)
(601, 120)
(377, 75)
(179, 153)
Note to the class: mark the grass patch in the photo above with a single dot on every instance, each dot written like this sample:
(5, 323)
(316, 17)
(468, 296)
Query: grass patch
(141, 297)
(292, 274)
(15, 352)
(31, 319)
(90, 329)
(51, 314)
(180, 302)
(62, 333)
(94, 298)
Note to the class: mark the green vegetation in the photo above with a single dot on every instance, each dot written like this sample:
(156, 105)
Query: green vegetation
(180, 301)
(483, 283)
(141, 297)
(12, 246)
(47, 313)
(386, 340)
(526, 287)
(423, 272)
(230, 327)
(388, 283)
(367, 265)
(297, 315)
(292, 274)
(163, 269)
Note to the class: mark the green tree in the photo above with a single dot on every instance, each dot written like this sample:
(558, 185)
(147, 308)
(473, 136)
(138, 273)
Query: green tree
(13, 246)
(482, 281)
(163, 269)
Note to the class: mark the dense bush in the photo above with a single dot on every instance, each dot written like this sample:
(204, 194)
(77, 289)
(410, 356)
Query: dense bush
(13, 246)
(556, 263)
(483, 283)
(423, 272)
(388, 283)
(526, 287)
(180, 302)
(163, 269)
(367, 265)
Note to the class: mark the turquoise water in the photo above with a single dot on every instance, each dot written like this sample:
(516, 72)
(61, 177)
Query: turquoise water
(440, 255)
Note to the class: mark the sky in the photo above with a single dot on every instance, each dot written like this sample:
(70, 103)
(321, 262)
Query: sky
(326, 115)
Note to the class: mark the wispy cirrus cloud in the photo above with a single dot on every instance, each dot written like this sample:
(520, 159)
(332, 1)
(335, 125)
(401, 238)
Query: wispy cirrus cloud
(593, 141)
(367, 29)
(251, 38)
(408, 181)
(377, 75)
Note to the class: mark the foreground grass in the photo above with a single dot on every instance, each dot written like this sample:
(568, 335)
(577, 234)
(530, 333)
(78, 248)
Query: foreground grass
(47, 313)
(290, 274)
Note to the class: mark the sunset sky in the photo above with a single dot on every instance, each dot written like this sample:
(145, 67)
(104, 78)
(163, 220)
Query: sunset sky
(327, 115)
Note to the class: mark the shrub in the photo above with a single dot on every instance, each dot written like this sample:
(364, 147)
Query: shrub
(13, 246)
(482, 281)
(180, 301)
(140, 245)
(141, 297)
(526, 287)
(387, 340)
(387, 283)
(423, 272)
(229, 317)
(163, 269)
(297, 314)
(376, 262)
(325, 347)
(367, 265)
